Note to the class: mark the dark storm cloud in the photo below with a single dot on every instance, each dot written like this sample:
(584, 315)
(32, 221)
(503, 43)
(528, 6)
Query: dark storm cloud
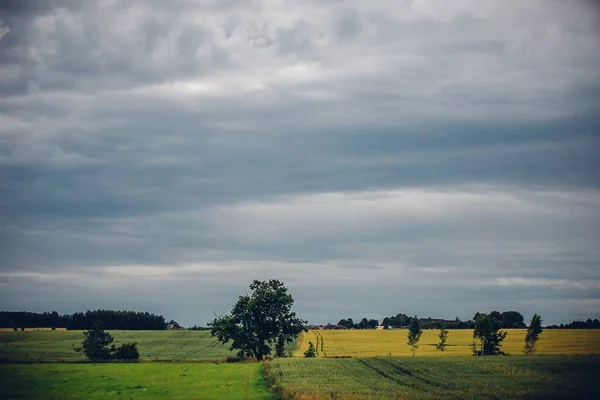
(381, 148)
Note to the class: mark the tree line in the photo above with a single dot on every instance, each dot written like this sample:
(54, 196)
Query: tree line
(109, 319)
(587, 324)
(507, 320)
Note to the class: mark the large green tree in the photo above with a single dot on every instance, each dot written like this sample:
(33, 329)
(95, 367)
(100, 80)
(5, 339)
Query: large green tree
(258, 320)
(488, 329)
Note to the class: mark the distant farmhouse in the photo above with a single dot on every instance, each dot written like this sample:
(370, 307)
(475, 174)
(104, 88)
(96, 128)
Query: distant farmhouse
(173, 326)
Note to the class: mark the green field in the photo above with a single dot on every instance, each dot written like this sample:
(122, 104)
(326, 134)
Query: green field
(437, 377)
(153, 345)
(178, 345)
(134, 381)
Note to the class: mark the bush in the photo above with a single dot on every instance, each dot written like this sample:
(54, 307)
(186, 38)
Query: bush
(127, 351)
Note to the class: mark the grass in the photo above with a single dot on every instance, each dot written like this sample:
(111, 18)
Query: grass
(134, 381)
(181, 345)
(371, 343)
(437, 377)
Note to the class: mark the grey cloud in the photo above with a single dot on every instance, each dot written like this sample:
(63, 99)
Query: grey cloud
(150, 133)
(36, 7)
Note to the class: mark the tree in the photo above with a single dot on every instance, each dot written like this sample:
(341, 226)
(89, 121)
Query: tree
(488, 331)
(311, 352)
(95, 344)
(443, 337)
(533, 333)
(280, 347)
(257, 320)
(513, 320)
(414, 334)
(348, 323)
(363, 324)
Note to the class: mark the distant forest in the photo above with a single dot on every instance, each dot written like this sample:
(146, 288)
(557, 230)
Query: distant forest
(108, 319)
(132, 320)
(588, 324)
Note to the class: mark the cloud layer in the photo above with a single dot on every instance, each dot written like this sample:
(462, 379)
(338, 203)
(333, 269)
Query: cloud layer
(408, 156)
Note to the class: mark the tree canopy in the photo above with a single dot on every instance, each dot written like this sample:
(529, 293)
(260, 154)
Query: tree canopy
(259, 320)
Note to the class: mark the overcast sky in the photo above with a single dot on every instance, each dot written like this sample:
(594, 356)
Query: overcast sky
(429, 157)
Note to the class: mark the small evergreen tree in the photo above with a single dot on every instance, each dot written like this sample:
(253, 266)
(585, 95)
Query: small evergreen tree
(96, 343)
(443, 337)
(311, 352)
(533, 333)
(414, 334)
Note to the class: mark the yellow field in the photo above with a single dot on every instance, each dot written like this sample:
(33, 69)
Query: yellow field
(369, 343)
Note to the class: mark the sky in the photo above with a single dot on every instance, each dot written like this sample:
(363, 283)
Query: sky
(437, 158)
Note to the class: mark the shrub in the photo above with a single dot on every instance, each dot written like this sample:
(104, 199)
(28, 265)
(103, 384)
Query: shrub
(127, 351)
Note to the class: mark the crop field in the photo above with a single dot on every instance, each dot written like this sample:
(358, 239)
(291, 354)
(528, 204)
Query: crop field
(437, 377)
(371, 343)
(134, 381)
(178, 345)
